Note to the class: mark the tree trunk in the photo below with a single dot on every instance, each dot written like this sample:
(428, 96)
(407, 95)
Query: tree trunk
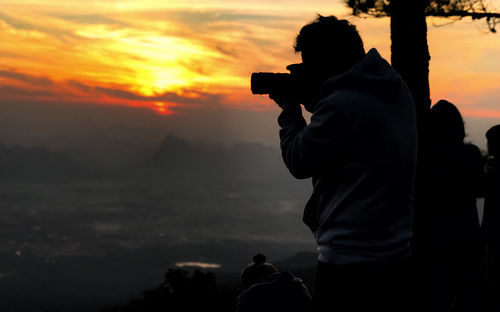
(410, 57)
(410, 52)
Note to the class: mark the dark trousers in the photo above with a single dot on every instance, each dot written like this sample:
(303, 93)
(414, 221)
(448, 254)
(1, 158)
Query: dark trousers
(493, 285)
(362, 287)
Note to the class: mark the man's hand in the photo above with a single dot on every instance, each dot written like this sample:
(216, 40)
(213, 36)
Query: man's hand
(284, 100)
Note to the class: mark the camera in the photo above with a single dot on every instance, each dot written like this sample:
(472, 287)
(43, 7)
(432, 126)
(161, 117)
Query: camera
(266, 83)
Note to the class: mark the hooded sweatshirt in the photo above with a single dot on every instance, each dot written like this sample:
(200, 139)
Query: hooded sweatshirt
(360, 150)
(280, 291)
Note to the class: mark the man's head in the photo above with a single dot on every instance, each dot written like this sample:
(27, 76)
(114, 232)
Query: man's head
(328, 46)
(493, 137)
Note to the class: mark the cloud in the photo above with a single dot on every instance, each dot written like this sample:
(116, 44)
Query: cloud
(154, 52)
(486, 99)
(79, 85)
(22, 24)
(21, 85)
(16, 92)
(90, 19)
(227, 50)
(232, 33)
(17, 23)
(187, 54)
(26, 78)
(120, 93)
(192, 99)
(200, 18)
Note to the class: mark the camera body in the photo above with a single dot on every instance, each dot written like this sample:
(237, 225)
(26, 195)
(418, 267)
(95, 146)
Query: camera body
(267, 83)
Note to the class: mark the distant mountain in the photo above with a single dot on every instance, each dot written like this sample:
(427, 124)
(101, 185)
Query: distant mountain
(302, 259)
(35, 163)
(176, 156)
(174, 159)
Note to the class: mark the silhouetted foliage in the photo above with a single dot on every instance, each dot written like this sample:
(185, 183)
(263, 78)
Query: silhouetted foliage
(182, 291)
(476, 9)
(410, 52)
(186, 291)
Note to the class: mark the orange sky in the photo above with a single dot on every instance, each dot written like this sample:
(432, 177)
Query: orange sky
(172, 55)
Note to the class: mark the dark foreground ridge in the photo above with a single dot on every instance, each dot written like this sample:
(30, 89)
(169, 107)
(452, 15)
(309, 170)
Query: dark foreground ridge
(198, 290)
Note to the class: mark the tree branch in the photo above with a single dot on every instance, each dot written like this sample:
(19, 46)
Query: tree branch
(491, 18)
(474, 15)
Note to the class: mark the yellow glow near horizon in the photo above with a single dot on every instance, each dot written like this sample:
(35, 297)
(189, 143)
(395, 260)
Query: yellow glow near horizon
(158, 69)
(203, 265)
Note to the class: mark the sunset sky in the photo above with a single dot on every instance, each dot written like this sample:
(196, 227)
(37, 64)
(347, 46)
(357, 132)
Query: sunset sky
(177, 56)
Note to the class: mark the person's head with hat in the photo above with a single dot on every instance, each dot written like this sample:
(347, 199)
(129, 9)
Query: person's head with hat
(256, 271)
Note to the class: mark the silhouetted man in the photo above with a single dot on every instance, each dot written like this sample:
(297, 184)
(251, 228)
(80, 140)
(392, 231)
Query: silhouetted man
(491, 221)
(360, 150)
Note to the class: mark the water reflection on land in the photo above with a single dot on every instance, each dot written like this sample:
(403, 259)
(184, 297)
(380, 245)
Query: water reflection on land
(202, 265)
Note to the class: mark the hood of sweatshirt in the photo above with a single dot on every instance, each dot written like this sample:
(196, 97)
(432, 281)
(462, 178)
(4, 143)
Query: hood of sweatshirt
(372, 75)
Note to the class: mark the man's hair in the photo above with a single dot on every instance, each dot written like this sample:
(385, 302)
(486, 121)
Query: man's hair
(329, 34)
